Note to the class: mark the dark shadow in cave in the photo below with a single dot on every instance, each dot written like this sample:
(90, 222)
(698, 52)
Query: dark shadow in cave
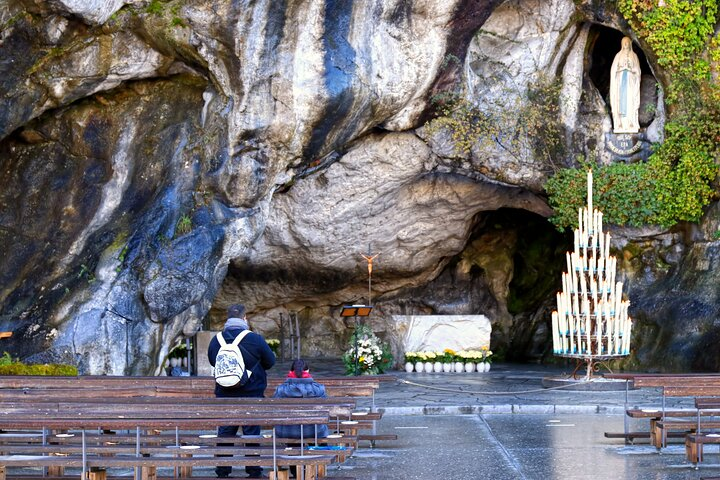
(538, 263)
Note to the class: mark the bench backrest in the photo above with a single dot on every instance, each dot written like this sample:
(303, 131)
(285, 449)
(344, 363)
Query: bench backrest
(679, 381)
(692, 391)
(340, 407)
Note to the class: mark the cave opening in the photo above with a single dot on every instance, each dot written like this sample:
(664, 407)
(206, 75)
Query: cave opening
(521, 334)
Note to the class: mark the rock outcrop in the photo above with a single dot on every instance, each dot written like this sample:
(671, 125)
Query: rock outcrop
(163, 159)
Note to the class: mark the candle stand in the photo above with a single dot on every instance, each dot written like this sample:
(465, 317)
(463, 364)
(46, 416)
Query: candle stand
(591, 323)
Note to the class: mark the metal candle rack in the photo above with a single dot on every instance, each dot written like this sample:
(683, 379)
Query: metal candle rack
(591, 323)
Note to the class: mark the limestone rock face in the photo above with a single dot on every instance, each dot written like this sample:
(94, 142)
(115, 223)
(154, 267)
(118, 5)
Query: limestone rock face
(161, 160)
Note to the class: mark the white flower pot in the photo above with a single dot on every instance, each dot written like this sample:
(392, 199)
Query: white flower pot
(487, 366)
(419, 367)
(447, 367)
(459, 367)
(409, 367)
(469, 367)
(437, 367)
(428, 367)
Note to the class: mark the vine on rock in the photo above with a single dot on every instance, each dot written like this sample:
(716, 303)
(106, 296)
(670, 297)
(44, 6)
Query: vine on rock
(676, 183)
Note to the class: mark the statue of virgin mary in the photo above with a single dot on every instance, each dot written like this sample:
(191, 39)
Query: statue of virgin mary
(625, 89)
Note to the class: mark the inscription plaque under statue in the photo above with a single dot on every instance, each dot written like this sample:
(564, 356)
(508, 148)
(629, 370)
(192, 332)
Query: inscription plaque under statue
(628, 147)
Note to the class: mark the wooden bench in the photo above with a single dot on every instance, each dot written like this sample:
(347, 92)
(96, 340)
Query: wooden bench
(159, 421)
(93, 386)
(695, 441)
(669, 385)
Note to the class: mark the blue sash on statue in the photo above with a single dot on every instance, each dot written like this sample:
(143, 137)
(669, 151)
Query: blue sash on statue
(623, 93)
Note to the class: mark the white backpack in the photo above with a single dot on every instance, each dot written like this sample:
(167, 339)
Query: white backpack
(230, 368)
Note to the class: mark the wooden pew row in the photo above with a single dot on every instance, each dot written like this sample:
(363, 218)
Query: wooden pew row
(177, 387)
(28, 381)
(142, 420)
(141, 414)
(358, 390)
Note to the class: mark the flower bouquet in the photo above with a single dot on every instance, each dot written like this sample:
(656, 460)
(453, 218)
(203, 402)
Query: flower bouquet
(367, 353)
(274, 345)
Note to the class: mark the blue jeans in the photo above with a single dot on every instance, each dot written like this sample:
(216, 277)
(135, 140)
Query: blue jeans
(231, 431)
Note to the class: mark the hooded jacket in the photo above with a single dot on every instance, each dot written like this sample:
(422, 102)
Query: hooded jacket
(258, 357)
(300, 388)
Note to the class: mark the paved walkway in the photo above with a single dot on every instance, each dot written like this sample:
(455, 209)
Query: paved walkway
(507, 388)
(505, 425)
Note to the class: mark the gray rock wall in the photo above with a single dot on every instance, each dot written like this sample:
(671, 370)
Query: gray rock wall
(161, 160)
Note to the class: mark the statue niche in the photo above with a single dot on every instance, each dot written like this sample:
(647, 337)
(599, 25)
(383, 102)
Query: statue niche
(625, 89)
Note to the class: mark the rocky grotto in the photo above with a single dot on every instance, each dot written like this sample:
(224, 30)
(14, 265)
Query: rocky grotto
(160, 160)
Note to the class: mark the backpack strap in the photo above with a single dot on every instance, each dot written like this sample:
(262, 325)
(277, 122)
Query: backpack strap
(221, 339)
(239, 338)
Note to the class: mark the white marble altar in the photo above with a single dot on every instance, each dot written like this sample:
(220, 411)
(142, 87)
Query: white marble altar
(438, 332)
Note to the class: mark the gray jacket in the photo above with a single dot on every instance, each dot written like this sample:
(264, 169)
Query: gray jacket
(300, 388)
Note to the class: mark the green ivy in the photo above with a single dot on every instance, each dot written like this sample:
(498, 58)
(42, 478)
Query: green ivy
(676, 183)
(526, 121)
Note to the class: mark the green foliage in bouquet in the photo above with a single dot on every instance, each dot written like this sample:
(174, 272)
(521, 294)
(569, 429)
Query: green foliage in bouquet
(274, 345)
(374, 356)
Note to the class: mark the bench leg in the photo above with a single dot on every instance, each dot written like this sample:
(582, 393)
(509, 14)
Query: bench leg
(97, 474)
(148, 473)
(310, 472)
(654, 433)
(281, 475)
(55, 471)
(184, 472)
(2, 472)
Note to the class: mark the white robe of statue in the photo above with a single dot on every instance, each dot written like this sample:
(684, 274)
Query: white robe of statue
(625, 89)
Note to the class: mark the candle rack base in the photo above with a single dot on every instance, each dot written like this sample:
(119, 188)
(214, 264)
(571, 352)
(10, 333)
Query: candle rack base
(592, 380)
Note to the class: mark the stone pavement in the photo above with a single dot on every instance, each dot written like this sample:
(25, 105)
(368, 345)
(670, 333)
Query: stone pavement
(505, 425)
(507, 388)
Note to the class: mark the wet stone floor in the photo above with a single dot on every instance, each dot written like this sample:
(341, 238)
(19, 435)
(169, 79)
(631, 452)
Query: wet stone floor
(518, 446)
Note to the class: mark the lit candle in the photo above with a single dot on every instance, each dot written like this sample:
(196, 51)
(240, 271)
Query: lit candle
(626, 337)
(580, 225)
(577, 241)
(598, 329)
(607, 245)
(567, 260)
(576, 306)
(587, 330)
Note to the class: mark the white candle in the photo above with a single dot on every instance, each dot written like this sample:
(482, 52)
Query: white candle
(600, 223)
(576, 306)
(555, 332)
(590, 189)
(567, 260)
(598, 329)
(607, 245)
(580, 226)
(577, 240)
(587, 331)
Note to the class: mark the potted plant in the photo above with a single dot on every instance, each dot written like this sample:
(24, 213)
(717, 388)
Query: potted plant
(458, 362)
(447, 358)
(486, 358)
(410, 359)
